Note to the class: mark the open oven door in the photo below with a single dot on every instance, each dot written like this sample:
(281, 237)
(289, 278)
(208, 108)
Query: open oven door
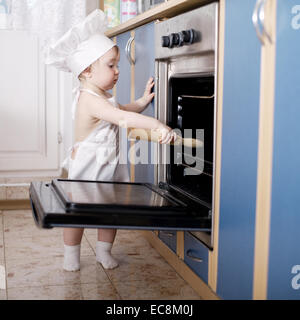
(121, 205)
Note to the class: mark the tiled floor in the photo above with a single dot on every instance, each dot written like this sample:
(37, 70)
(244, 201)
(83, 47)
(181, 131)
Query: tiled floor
(33, 260)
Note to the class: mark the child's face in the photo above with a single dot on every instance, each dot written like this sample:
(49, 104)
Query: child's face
(105, 72)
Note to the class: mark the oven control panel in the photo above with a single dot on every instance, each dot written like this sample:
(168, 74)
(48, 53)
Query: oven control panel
(192, 32)
(179, 39)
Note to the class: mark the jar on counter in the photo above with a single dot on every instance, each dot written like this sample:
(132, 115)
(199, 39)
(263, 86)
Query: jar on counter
(128, 9)
(140, 6)
(148, 4)
(112, 11)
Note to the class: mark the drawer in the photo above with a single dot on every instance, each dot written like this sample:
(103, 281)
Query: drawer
(169, 238)
(196, 256)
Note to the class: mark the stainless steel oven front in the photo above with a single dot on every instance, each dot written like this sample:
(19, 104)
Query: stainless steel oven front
(186, 82)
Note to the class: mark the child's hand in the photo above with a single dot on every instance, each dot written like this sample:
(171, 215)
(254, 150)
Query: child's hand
(148, 95)
(167, 135)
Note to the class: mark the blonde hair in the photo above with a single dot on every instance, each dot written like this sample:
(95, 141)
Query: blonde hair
(82, 77)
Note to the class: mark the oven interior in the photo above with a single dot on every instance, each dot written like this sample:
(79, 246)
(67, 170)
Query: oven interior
(191, 110)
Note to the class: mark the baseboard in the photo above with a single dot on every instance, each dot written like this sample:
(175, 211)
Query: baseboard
(23, 204)
(204, 291)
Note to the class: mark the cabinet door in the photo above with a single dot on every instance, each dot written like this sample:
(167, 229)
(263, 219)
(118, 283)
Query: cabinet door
(144, 68)
(241, 91)
(284, 257)
(29, 110)
(169, 238)
(123, 88)
(196, 255)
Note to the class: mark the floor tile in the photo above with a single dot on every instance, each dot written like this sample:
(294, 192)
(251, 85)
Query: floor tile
(170, 289)
(91, 236)
(68, 292)
(90, 291)
(3, 295)
(20, 223)
(39, 247)
(140, 267)
(99, 291)
(130, 242)
(127, 241)
(33, 259)
(49, 271)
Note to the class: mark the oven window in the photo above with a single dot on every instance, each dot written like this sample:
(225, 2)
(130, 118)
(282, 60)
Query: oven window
(191, 112)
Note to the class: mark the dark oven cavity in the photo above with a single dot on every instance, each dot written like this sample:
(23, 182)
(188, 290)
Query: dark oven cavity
(191, 112)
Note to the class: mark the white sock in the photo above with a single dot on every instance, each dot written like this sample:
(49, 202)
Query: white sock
(103, 255)
(72, 258)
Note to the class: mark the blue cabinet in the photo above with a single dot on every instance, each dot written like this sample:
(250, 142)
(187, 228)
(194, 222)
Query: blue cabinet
(169, 238)
(144, 69)
(239, 174)
(196, 256)
(284, 246)
(241, 94)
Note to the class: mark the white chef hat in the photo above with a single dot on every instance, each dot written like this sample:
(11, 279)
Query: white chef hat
(82, 45)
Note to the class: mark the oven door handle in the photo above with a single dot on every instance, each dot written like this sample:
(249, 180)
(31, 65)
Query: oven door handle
(128, 51)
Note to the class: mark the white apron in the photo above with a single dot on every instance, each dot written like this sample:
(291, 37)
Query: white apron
(97, 156)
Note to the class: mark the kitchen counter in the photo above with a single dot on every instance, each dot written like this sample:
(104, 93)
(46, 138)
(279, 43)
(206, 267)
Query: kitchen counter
(164, 10)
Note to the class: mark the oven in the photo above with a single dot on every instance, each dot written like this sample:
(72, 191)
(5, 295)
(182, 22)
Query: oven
(182, 196)
(186, 63)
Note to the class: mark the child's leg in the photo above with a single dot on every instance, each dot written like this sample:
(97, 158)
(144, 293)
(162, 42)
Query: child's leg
(72, 240)
(73, 236)
(105, 241)
(107, 235)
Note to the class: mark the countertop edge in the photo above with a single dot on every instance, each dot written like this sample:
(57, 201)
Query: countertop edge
(166, 9)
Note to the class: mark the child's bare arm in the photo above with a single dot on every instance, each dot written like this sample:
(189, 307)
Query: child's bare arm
(100, 108)
(136, 106)
(141, 104)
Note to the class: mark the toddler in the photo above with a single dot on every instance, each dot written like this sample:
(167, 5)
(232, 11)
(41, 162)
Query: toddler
(93, 58)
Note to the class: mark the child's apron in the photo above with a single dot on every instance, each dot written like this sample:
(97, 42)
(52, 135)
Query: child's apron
(97, 157)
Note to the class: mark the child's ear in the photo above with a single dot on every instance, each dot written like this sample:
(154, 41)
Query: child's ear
(87, 72)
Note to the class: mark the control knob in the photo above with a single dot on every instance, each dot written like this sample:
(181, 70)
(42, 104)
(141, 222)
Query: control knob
(165, 41)
(174, 39)
(188, 36)
(171, 40)
(179, 39)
